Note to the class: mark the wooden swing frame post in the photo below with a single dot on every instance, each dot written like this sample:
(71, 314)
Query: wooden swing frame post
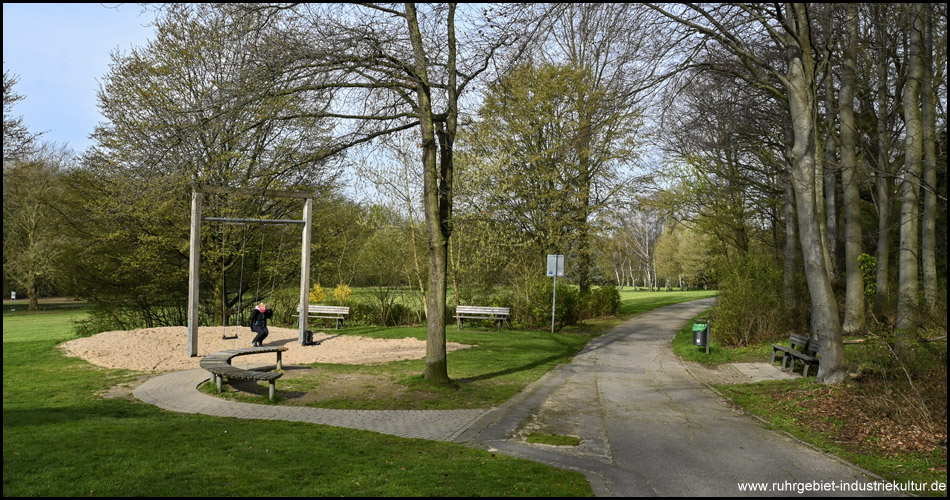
(194, 257)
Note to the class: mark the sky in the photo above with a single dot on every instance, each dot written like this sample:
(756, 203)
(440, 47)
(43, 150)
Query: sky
(59, 53)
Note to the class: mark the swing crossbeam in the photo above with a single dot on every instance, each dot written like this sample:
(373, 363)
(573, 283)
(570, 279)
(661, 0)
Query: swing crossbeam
(195, 252)
(254, 221)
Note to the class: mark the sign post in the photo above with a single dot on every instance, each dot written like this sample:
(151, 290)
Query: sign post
(555, 269)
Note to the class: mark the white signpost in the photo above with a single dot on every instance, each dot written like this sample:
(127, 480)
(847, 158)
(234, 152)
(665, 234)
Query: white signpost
(555, 269)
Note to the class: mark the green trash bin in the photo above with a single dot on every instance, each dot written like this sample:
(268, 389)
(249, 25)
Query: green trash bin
(700, 333)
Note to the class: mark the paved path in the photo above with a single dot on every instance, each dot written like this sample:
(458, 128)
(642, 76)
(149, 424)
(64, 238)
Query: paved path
(647, 426)
(177, 391)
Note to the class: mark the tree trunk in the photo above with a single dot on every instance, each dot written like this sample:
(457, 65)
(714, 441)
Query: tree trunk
(928, 222)
(801, 100)
(907, 301)
(34, 303)
(854, 320)
(584, 188)
(412, 241)
(436, 366)
(792, 251)
(829, 170)
(883, 182)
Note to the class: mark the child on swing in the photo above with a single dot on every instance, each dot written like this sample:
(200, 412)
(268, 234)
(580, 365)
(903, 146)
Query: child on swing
(259, 318)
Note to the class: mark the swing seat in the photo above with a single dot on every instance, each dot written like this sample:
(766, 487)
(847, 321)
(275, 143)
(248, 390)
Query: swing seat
(225, 337)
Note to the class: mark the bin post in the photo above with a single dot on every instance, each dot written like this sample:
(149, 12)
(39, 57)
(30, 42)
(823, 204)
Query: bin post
(701, 333)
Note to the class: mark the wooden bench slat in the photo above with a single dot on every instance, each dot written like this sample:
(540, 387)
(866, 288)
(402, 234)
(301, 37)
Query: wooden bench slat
(329, 309)
(475, 309)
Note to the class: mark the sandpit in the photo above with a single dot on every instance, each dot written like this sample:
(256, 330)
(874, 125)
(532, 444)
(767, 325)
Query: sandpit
(165, 349)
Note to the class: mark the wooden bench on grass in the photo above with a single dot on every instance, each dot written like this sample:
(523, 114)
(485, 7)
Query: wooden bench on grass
(804, 349)
(219, 365)
(496, 314)
(338, 313)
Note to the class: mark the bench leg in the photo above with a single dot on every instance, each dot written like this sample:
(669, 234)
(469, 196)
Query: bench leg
(217, 380)
(280, 365)
(271, 390)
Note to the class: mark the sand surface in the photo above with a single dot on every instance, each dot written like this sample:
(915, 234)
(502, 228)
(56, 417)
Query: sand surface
(165, 349)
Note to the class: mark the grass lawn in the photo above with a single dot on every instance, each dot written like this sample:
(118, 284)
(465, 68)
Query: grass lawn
(498, 366)
(61, 438)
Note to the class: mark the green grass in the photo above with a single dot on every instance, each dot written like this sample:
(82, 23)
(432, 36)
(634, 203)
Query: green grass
(61, 439)
(684, 348)
(553, 439)
(498, 366)
(633, 302)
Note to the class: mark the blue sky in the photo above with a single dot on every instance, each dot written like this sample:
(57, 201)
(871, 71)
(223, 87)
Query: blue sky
(59, 53)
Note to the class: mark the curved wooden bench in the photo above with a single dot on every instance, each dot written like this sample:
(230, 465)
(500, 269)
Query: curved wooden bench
(219, 365)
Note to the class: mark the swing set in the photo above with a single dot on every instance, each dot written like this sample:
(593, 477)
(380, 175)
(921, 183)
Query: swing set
(240, 292)
(195, 255)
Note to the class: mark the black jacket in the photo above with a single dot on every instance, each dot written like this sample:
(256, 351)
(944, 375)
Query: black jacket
(259, 319)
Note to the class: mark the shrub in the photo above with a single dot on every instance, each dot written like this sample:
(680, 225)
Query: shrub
(317, 295)
(342, 293)
(285, 303)
(603, 301)
(361, 314)
(751, 304)
(531, 307)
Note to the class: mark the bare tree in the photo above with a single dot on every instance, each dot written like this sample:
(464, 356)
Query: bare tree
(928, 223)
(854, 320)
(731, 29)
(908, 285)
(621, 51)
(18, 141)
(392, 68)
(883, 181)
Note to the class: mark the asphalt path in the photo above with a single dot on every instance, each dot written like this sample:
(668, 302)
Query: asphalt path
(649, 428)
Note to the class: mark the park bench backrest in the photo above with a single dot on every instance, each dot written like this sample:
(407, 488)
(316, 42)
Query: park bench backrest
(807, 345)
(329, 309)
(483, 310)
